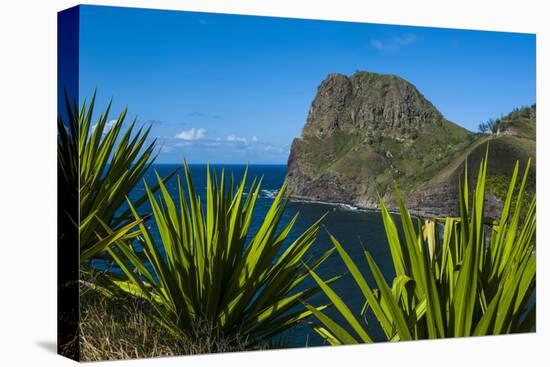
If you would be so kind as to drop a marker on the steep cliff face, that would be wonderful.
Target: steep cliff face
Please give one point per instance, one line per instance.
(368, 101)
(368, 132)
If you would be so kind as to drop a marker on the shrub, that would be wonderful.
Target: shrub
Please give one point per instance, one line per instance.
(478, 278)
(104, 162)
(208, 266)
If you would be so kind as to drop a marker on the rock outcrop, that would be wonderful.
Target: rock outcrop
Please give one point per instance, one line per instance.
(369, 132)
(368, 101)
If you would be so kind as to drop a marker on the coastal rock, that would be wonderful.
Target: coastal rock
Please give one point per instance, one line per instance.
(368, 101)
(368, 133)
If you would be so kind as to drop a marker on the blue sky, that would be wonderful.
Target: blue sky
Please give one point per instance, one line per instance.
(234, 89)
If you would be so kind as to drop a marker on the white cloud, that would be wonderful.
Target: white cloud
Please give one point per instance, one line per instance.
(192, 134)
(166, 148)
(406, 39)
(395, 43)
(239, 139)
(272, 148)
(234, 138)
(377, 44)
(197, 141)
(108, 126)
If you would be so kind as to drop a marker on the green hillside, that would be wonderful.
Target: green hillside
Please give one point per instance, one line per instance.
(368, 132)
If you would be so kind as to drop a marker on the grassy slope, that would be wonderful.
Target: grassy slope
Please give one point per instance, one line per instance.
(516, 142)
(381, 160)
(504, 151)
(520, 122)
(455, 163)
(125, 328)
(435, 156)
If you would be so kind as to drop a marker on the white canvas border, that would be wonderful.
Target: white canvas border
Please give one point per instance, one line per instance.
(27, 151)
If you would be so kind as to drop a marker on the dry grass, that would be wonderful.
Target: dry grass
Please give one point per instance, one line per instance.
(125, 328)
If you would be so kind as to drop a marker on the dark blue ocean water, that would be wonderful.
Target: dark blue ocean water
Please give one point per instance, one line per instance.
(354, 229)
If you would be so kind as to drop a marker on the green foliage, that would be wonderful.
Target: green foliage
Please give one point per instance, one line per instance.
(478, 278)
(323, 152)
(489, 126)
(209, 267)
(498, 186)
(410, 156)
(520, 122)
(104, 162)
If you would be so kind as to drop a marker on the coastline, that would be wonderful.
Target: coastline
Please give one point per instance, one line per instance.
(422, 214)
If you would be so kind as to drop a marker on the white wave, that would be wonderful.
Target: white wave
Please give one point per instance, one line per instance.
(348, 207)
(269, 194)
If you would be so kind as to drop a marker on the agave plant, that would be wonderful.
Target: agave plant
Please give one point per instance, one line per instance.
(105, 162)
(208, 267)
(477, 278)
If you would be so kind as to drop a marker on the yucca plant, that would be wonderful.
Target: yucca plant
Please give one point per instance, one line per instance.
(477, 278)
(104, 161)
(208, 267)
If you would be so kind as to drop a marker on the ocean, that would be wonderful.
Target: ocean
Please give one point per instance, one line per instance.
(356, 230)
